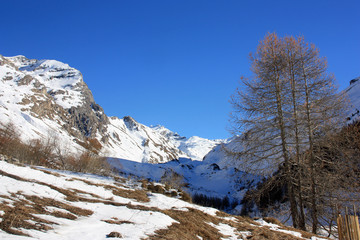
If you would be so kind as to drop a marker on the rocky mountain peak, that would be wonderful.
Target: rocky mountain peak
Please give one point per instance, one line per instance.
(53, 90)
(131, 123)
(48, 97)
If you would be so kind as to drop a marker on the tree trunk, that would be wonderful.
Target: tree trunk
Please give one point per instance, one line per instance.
(291, 60)
(311, 158)
(290, 186)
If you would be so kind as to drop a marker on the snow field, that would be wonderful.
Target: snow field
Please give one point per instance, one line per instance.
(96, 210)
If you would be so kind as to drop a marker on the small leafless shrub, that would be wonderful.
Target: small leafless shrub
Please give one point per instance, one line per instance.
(185, 197)
(172, 179)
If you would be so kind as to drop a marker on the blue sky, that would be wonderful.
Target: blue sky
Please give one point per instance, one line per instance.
(174, 62)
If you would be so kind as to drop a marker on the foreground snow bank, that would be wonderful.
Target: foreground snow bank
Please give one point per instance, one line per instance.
(38, 203)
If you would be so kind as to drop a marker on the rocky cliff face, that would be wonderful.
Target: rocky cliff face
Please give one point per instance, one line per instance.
(47, 97)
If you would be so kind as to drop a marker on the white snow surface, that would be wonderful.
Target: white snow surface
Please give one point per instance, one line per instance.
(24, 183)
(52, 75)
(143, 223)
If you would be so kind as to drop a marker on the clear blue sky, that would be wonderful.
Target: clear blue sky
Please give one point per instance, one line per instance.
(174, 62)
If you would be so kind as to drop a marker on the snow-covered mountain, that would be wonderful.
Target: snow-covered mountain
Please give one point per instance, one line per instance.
(194, 147)
(47, 98)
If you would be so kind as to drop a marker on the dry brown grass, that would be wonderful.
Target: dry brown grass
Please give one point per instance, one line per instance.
(87, 182)
(195, 223)
(41, 202)
(21, 214)
(49, 172)
(115, 220)
(192, 223)
(185, 197)
(142, 207)
(261, 233)
(304, 234)
(119, 189)
(138, 195)
(155, 188)
(273, 221)
(223, 214)
(119, 179)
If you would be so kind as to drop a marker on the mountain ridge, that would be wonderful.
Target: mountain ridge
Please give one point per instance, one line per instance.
(43, 97)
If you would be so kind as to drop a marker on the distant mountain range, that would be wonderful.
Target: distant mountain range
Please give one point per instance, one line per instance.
(47, 98)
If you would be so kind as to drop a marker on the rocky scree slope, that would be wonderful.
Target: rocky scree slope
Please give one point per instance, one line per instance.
(47, 98)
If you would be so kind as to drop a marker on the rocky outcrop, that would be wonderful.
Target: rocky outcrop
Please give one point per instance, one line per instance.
(131, 123)
(89, 118)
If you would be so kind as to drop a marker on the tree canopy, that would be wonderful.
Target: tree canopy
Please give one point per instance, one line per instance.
(282, 112)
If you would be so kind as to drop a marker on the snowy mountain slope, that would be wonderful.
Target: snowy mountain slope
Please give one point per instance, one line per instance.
(134, 141)
(45, 98)
(64, 83)
(26, 103)
(196, 177)
(37, 203)
(353, 92)
(194, 147)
